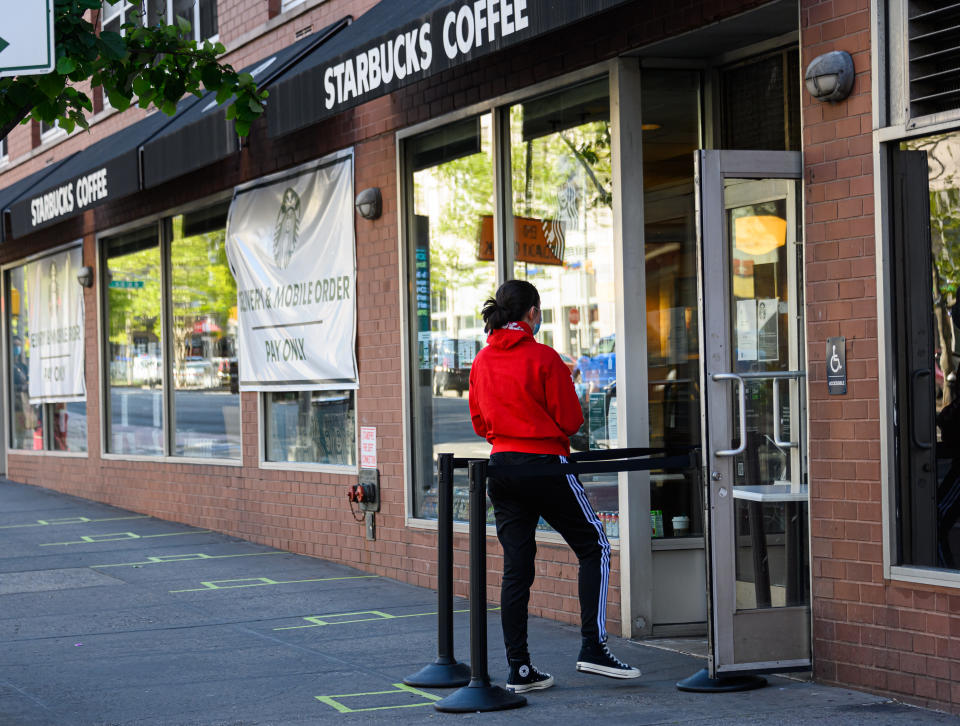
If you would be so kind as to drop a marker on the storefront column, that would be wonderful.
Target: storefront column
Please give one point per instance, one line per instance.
(636, 561)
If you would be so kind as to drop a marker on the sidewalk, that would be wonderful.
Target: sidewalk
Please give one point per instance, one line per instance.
(108, 617)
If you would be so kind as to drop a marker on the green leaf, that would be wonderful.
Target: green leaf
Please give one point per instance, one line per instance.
(255, 106)
(242, 127)
(113, 44)
(173, 90)
(50, 84)
(118, 100)
(65, 65)
(184, 25)
(210, 74)
(142, 87)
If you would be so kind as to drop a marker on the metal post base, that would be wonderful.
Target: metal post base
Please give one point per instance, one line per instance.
(440, 674)
(701, 682)
(479, 696)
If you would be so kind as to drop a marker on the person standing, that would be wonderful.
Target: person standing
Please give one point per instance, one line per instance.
(522, 400)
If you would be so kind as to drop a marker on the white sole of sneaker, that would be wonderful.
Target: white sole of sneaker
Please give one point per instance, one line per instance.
(600, 670)
(524, 687)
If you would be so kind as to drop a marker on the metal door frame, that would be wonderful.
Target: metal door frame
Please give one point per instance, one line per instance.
(718, 385)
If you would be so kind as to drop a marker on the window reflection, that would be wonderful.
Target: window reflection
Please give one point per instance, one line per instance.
(671, 135)
(318, 427)
(36, 427)
(205, 372)
(943, 160)
(26, 427)
(452, 253)
(135, 350)
(563, 243)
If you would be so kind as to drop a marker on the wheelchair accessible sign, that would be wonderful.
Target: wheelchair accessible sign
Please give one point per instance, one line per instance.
(837, 366)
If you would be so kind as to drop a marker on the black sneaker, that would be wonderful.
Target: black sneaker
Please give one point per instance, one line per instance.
(525, 677)
(597, 658)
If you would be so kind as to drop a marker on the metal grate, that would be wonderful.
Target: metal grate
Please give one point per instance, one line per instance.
(934, 31)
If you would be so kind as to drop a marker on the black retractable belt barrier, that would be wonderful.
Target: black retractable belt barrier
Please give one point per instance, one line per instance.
(444, 672)
(619, 461)
(479, 695)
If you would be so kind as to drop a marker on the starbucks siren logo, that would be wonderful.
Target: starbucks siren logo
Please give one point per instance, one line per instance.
(287, 231)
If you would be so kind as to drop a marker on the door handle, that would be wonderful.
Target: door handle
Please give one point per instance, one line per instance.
(776, 417)
(743, 414)
(917, 374)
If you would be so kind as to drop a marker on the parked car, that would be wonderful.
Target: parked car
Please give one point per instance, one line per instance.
(452, 359)
(198, 372)
(599, 368)
(228, 374)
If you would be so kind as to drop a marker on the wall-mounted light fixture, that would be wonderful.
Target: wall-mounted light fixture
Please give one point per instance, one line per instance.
(85, 276)
(830, 76)
(369, 203)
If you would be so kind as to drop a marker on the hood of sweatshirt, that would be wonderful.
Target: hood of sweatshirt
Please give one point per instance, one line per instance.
(509, 335)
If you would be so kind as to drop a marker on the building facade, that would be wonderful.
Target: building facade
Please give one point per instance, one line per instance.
(725, 262)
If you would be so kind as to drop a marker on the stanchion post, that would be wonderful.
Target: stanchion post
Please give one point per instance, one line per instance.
(444, 672)
(479, 695)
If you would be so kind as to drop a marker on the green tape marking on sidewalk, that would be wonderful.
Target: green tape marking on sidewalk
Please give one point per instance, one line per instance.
(163, 559)
(117, 536)
(399, 688)
(318, 621)
(262, 581)
(70, 520)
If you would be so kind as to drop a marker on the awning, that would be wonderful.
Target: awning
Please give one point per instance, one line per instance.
(107, 170)
(395, 44)
(202, 135)
(18, 188)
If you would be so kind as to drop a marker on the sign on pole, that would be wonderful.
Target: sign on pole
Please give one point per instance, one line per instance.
(26, 39)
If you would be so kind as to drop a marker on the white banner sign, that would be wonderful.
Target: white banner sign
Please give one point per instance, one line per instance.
(55, 314)
(290, 242)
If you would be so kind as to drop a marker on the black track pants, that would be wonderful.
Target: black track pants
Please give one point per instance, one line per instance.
(518, 504)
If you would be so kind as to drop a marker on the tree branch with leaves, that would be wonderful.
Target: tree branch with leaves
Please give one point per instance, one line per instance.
(145, 65)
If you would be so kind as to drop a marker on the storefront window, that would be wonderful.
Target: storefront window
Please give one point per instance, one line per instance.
(563, 243)
(451, 248)
(206, 399)
(926, 278)
(318, 427)
(45, 318)
(671, 135)
(135, 356)
(26, 428)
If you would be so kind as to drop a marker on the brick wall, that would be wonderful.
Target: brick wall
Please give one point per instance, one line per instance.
(869, 633)
(307, 512)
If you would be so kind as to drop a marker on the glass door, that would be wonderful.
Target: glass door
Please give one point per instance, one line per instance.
(753, 383)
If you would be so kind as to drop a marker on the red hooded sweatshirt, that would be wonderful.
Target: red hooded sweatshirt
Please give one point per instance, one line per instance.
(521, 394)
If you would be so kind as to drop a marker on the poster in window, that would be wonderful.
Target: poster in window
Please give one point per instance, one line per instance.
(291, 248)
(747, 329)
(768, 339)
(56, 329)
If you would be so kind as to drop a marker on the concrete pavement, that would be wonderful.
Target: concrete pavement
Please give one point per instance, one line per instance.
(109, 617)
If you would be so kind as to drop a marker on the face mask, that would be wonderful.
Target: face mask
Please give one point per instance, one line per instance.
(536, 328)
